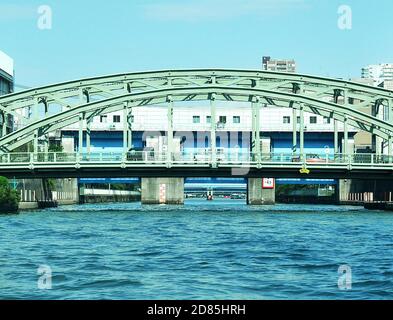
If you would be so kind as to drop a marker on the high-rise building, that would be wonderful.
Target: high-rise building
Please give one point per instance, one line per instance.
(6, 87)
(278, 65)
(378, 72)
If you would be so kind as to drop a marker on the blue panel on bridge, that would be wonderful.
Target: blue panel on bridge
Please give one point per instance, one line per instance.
(307, 181)
(216, 180)
(108, 141)
(232, 188)
(314, 143)
(109, 180)
(211, 182)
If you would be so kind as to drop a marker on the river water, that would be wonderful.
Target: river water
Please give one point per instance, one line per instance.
(202, 250)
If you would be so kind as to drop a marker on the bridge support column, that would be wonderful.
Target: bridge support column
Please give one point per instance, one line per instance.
(80, 135)
(35, 142)
(162, 190)
(35, 118)
(125, 127)
(46, 136)
(346, 146)
(4, 124)
(256, 195)
(88, 137)
(170, 131)
(336, 144)
(294, 131)
(376, 140)
(301, 131)
(256, 139)
(213, 130)
(129, 129)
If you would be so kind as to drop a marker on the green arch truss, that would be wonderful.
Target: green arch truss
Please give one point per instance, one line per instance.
(50, 108)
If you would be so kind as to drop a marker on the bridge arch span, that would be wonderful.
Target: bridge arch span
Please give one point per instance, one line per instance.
(340, 100)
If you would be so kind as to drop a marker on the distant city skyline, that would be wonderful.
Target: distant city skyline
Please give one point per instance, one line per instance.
(150, 35)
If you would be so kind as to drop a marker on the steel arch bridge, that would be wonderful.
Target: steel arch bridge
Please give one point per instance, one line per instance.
(50, 108)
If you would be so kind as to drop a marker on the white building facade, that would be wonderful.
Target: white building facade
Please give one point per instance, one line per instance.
(6, 87)
(192, 125)
(378, 72)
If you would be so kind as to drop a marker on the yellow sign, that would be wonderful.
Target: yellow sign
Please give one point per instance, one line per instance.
(304, 171)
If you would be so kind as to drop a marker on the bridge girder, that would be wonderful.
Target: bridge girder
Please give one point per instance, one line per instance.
(317, 95)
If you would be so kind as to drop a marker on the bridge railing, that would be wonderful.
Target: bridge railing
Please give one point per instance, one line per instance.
(193, 158)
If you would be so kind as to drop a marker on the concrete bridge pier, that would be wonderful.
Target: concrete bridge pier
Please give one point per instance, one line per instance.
(257, 195)
(162, 190)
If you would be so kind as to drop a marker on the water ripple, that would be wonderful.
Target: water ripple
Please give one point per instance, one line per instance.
(215, 250)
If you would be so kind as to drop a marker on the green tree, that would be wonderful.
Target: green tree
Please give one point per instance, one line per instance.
(9, 198)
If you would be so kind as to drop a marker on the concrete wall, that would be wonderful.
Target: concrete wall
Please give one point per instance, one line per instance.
(163, 190)
(103, 195)
(31, 190)
(351, 189)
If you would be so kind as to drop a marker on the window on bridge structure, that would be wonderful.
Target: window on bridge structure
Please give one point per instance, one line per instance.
(116, 119)
(196, 119)
(103, 119)
(326, 120)
(286, 120)
(222, 119)
(313, 120)
(208, 119)
(236, 119)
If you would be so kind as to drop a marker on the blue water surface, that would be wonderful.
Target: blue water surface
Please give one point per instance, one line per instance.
(202, 250)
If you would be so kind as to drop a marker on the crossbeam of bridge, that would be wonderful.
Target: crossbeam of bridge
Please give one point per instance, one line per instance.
(99, 165)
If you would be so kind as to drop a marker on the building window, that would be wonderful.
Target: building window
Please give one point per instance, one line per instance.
(223, 119)
(132, 119)
(116, 119)
(326, 120)
(298, 120)
(313, 120)
(286, 120)
(196, 119)
(236, 119)
(103, 119)
(208, 119)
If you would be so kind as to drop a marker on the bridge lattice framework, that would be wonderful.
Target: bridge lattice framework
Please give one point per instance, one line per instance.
(53, 107)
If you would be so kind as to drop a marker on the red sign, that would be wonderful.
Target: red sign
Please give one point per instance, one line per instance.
(268, 183)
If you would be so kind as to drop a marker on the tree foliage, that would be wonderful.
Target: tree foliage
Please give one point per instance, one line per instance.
(9, 198)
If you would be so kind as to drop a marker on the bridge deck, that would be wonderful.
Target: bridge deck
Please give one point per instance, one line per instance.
(145, 164)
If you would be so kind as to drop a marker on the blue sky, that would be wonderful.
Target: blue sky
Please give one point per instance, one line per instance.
(91, 38)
